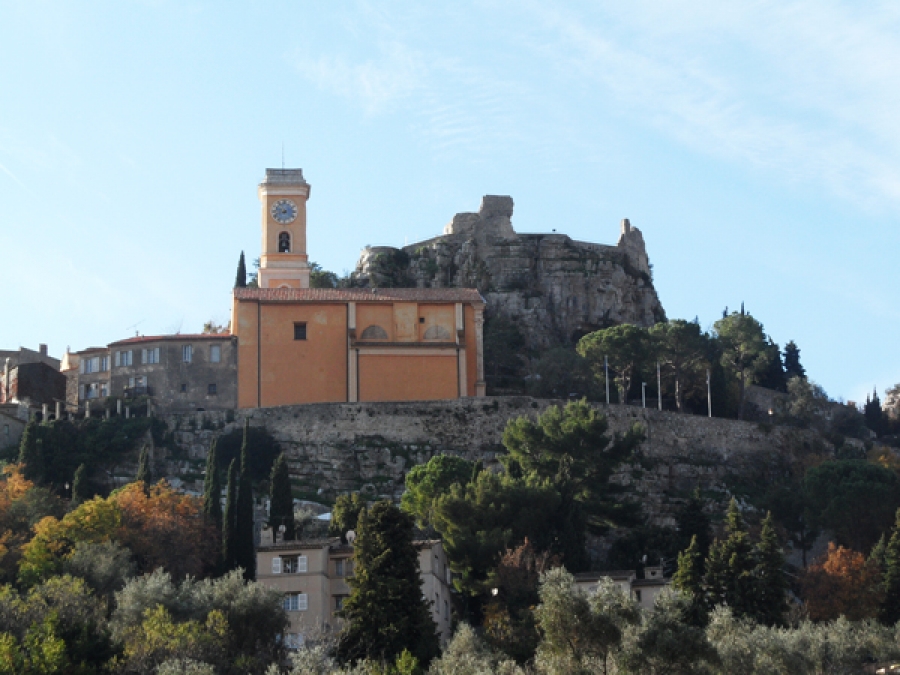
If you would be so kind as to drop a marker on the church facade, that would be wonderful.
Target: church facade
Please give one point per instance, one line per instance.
(298, 344)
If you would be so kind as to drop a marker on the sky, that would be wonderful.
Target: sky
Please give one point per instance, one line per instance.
(754, 143)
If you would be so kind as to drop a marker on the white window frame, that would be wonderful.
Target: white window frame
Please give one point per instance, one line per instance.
(187, 353)
(215, 353)
(104, 364)
(276, 565)
(124, 358)
(104, 389)
(302, 564)
(150, 356)
(296, 602)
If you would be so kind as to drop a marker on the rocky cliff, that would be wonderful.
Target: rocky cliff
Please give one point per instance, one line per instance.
(555, 288)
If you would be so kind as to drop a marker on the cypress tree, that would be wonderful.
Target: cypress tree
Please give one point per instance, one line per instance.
(240, 279)
(693, 523)
(792, 367)
(212, 487)
(889, 613)
(245, 556)
(771, 581)
(281, 501)
(31, 453)
(688, 580)
(730, 567)
(143, 473)
(81, 489)
(229, 540)
(386, 612)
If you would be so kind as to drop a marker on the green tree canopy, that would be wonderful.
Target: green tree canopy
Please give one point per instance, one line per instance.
(426, 482)
(854, 499)
(386, 613)
(627, 349)
(680, 347)
(743, 344)
(571, 449)
(240, 279)
(345, 514)
(792, 366)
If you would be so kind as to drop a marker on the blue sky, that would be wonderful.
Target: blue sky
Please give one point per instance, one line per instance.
(755, 144)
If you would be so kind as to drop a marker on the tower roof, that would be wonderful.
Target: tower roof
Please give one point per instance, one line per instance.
(284, 177)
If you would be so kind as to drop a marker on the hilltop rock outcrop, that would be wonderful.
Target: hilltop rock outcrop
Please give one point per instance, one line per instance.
(555, 288)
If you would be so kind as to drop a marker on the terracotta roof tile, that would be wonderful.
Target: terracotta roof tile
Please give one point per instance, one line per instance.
(180, 337)
(359, 294)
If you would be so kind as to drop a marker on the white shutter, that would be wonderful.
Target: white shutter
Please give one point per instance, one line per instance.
(302, 564)
(276, 565)
(302, 602)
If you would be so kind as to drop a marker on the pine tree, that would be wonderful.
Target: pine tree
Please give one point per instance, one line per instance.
(386, 612)
(281, 501)
(688, 580)
(889, 612)
(212, 488)
(229, 539)
(771, 580)
(143, 473)
(31, 453)
(345, 514)
(792, 367)
(240, 280)
(81, 489)
(245, 555)
(730, 567)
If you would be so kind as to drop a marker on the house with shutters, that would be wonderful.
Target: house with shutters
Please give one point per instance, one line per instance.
(312, 576)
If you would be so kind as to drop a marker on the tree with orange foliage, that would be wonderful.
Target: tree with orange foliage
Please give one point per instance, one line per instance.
(163, 528)
(21, 506)
(843, 583)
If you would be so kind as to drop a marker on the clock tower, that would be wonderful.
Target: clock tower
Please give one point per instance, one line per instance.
(284, 262)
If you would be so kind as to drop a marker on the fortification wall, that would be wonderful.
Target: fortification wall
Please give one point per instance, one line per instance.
(335, 448)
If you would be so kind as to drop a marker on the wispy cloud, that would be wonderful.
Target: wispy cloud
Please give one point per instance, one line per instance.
(376, 84)
(806, 89)
(14, 177)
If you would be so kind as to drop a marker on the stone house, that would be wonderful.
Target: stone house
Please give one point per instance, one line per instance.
(643, 591)
(312, 575)
(31, 378)
(177, 373)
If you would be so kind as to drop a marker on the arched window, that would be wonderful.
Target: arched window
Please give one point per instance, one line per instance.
(284, 242)
(437, 333)
(374, 333)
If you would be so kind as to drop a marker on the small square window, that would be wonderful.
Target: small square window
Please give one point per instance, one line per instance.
(211, 389)
(300, 331)
(183, 388)
(421, 319)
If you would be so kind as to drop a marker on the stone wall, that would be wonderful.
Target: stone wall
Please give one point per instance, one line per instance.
(556, 289)
(336, 448)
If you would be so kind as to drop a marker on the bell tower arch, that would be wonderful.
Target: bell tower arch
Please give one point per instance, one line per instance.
(283, 262)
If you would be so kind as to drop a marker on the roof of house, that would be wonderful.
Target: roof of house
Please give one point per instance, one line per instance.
(178, 337)
(470, 295)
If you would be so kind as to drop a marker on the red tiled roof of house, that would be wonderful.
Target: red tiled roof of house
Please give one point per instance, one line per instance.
(180, 337)
(359, 294)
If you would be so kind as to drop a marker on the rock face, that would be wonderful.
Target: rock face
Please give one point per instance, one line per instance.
(555, 288)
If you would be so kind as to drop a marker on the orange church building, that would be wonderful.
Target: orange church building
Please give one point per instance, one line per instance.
(314, 345)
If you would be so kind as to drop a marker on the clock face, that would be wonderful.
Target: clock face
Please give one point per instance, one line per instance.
(284, 211)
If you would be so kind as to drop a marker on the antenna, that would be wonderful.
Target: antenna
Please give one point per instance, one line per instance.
(282, 155)
(135, 325)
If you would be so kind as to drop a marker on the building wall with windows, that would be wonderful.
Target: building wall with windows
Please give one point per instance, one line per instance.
(313, 574)
(179, 373)
(312, 345)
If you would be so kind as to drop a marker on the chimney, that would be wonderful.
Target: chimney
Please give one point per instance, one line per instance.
(42, 349)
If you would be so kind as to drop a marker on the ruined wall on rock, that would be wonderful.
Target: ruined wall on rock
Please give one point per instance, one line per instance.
(555, 288)
(338, 448)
